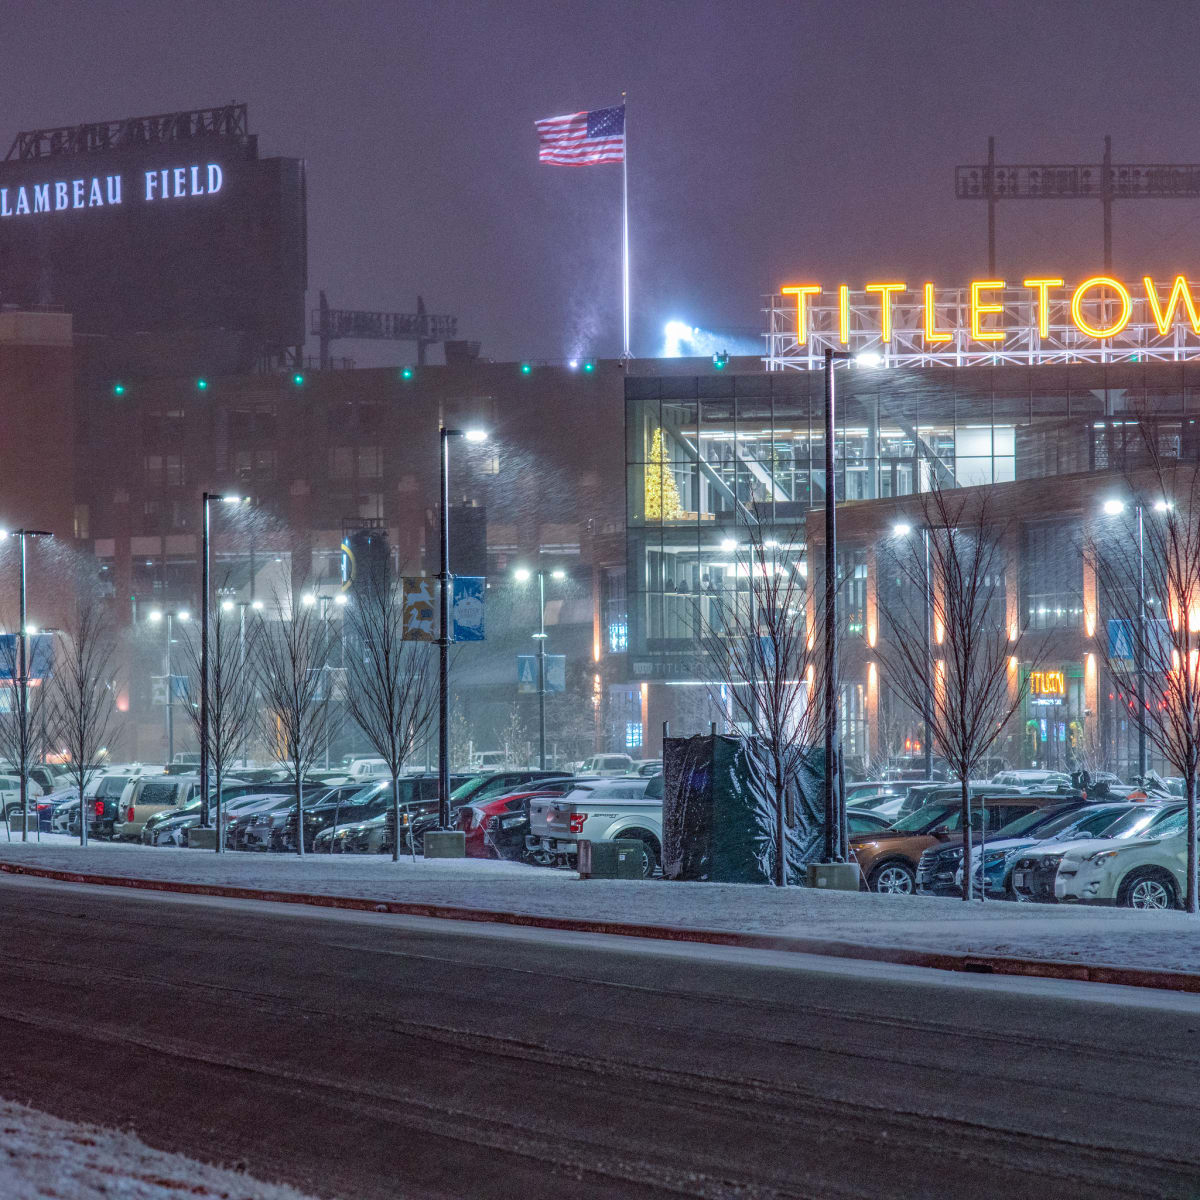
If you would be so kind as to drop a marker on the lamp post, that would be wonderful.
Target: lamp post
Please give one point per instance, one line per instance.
(522, 575)
(444, 638)
(207, 497)
(182, 615)
(833, 764)
(902, 530)
(23, 678)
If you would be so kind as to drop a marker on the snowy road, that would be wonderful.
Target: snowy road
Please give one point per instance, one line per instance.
(364, 1055)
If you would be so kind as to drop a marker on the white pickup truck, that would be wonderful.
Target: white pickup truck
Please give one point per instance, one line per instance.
(598, 811)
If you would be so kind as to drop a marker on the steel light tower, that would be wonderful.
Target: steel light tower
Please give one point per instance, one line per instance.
(444, 632)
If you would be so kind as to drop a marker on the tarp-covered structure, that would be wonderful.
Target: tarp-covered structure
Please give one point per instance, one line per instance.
(719, 820)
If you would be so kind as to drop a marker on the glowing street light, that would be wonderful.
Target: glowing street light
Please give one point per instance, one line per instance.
(1114, 508)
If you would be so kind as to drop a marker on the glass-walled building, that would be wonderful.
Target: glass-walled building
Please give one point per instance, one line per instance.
(708, 456)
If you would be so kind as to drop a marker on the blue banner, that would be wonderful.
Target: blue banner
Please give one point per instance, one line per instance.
(467, 610)
(40, 663)
(527, 673)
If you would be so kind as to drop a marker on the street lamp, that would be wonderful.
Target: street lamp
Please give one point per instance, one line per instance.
(902, 529)
(523, 575)
(833, 765)
(157, 615)
(23, 678)
(444, 639)
(207, 498)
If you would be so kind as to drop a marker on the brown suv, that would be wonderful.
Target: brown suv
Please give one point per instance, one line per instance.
(888, 860)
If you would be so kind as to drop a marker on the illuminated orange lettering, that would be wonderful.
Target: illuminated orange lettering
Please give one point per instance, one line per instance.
(800, 291)
(932, 333)
(843, 314)
(979, 310)
(1179, 292)
(1042, 287)
(885, 290)
(1097, 331)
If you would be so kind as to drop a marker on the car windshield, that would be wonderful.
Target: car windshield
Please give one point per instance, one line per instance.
(1032, 820)
(870, 803)
(1131, 824)
(1175, 823)
(467, 790)
(1081, 821)
(926, 818)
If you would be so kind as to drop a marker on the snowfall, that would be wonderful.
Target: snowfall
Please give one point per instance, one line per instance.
(1062, 933)
(44, 1158)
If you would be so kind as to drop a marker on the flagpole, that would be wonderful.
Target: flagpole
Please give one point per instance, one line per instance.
(625, 222)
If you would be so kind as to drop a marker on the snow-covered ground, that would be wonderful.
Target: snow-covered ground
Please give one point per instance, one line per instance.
(45, 1158)
(1061, 932)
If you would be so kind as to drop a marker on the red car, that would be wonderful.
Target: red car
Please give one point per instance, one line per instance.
(496, 828)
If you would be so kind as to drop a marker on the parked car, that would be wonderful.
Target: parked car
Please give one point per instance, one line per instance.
(598, 811)
(152, 794)
(993, 861)
(498, 827)
(475, 789)
(931, 793)
(647, 766)
(606, 764)
(888, 859)
(1141, 864)
(939, 869)
(1039, 779)
(860, 795)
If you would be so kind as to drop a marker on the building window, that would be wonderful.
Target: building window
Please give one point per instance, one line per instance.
(81, 522)
(341, 462)
(370, 506)
(1052, 574)
(370, 462)
(633, 735)
(255, 464)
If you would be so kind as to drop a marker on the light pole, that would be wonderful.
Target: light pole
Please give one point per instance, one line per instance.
(207, 497)
(182, 615)
(444, 632)
(902, 530)
(522, 575)
(23, 680)
(833, 764)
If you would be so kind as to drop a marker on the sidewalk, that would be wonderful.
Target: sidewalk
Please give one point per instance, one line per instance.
(1052, 933)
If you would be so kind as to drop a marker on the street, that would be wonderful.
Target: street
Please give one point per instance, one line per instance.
(362, 1055)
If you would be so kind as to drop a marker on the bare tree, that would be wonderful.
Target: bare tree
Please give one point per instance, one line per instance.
(968, 681)
(762, 657)
(1147, 563)
(232, 696)
(391, 691)
(82, 694)
(23, 718)
(291, 654)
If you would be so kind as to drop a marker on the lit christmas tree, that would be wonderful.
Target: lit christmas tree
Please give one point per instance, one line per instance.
(662, 493)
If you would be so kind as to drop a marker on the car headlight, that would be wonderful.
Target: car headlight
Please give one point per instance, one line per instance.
(1101, 856)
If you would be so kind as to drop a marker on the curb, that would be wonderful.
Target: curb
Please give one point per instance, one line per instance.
(1145, 977)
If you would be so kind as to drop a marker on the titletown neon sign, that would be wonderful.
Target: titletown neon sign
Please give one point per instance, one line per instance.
(1042, 319)
(108, 191)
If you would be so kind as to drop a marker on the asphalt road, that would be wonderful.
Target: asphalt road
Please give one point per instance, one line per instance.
(363, 1055)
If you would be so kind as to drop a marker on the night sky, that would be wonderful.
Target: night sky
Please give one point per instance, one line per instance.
(768, 141)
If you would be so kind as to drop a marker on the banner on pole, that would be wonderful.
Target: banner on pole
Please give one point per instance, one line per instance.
(467, 608)
(527, 673)
(418, 609)
(40, 656)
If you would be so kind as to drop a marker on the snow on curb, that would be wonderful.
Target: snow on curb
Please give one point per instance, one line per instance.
(45, 1158)
(988, 964)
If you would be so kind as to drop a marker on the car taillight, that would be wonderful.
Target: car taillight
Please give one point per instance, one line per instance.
(129, 813)
(99, 808)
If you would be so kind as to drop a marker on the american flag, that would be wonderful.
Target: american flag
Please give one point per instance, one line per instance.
(582, 139)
